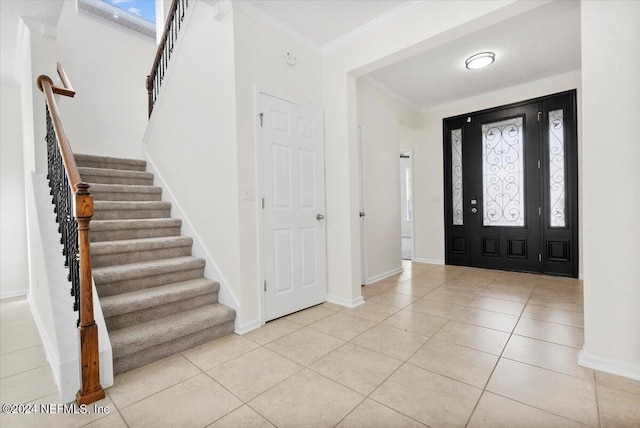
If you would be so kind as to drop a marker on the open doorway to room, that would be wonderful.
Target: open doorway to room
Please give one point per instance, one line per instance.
(406, 203)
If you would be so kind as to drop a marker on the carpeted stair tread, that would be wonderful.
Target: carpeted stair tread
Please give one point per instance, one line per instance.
(155, 296)
(145, 244)
(120, 192)
(137, 271)
(146, 223)
(118, 230)
(93, 161)
(126, 210)
(131, 205)
(107, 172)
(135, 338)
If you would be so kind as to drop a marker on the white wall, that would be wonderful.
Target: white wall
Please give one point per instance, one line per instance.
(428, 158)
(380, 117)
(107, 67)
(14, 279)
(610, 33)
(191, 142)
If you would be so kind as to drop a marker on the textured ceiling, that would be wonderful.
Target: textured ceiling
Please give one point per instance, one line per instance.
(535, 45)
(323, 21)
(44, 12)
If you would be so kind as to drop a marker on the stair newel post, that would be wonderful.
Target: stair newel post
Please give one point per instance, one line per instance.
(90, 388)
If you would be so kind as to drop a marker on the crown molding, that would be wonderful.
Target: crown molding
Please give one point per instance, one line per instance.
(376, 84)
(374, 24)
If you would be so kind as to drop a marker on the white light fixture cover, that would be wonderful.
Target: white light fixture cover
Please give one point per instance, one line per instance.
(480, 60)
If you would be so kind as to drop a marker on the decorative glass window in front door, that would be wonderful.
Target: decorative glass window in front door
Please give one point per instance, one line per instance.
(556, 168)
(456, 176)
(503, 173)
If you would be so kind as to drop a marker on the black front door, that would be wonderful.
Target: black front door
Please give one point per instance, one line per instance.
(511, 186)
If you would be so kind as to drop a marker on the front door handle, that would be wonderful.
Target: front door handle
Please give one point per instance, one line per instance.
(319, 217)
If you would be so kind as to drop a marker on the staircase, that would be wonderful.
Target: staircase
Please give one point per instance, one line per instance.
(154, 296)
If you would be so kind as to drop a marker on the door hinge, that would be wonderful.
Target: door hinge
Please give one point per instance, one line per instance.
(539, 257)
(538, 163)
(261, 117)
(262, 203)
(539, 115)
(265, 286)
(539, 210)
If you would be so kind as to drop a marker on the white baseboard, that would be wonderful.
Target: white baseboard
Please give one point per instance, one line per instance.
(608, 365)
(248, 326)
(349, 303)
(384, 275)
(430, 261)
(14, 293)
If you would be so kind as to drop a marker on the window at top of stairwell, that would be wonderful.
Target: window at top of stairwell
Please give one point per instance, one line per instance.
(145, 9)
(134, 16)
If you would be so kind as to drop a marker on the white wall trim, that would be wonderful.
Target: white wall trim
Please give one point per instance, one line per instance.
(211, 270)
(384, 275)
(371, 26)
(430, 261)
(608, 365)
(13, 293)
(249, 326)
(543, 83)
(343, 301)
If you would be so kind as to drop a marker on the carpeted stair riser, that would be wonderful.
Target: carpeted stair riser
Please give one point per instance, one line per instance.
(125, 252)
(115, 176)
(120, 232)
(137, 317)
(149, 355)
(127, 210)
(104, 162)
(122, 192)
(114, 280)
(154, 296)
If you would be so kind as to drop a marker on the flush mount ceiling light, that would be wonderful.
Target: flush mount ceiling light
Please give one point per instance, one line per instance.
(480, 60)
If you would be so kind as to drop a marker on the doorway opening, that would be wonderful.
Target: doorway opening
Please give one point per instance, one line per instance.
(406, 204)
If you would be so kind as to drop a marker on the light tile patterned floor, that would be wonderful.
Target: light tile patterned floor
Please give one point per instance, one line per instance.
(436, 346)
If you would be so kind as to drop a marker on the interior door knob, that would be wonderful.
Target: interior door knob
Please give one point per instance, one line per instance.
(474, 210)
(362, 214)
(319, 217)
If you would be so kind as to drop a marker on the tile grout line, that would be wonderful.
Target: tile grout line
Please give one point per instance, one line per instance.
(484, 388)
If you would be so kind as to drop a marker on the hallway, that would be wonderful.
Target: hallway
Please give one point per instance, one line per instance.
(436, 346)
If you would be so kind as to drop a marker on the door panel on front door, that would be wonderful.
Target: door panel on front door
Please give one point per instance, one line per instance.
(502, 156)
(511, 186)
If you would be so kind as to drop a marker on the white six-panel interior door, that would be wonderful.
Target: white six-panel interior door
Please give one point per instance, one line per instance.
(294, 248)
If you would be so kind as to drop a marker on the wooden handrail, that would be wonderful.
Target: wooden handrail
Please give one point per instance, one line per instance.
(165, 47)
(90, 388)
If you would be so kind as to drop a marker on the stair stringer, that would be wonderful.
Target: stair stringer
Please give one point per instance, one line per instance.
(226, 296)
